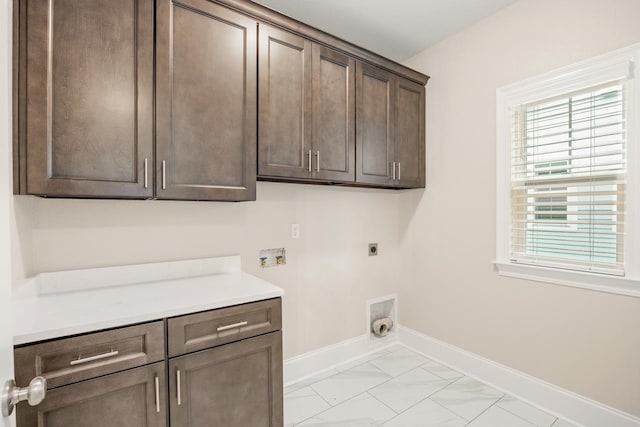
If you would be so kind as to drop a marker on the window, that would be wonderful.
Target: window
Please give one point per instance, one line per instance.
(568, 168)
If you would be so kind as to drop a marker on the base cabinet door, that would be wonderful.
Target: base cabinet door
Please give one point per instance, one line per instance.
(206, 101)
(234, 385)
(134, 398)
(86, 98)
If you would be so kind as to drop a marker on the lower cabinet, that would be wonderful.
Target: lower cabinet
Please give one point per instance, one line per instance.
(234, 385)
(134, 398)
(223, 368)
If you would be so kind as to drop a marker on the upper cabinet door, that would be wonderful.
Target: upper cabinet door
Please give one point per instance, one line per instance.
(334, 115)
(375, 129)
(89, 98)
(409, 134)
(285, 104)
(205, 102)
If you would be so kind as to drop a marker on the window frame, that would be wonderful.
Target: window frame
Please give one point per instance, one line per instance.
(616, 65)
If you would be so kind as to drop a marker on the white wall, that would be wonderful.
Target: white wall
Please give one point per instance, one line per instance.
(584, 341)
(328, 276)
(6, 353)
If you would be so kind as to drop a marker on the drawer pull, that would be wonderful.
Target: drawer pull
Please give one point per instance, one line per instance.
(235, 325)
(178, 387)
(157, 395)
(80, 360)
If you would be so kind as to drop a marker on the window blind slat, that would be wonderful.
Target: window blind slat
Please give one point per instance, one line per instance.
(568, 180)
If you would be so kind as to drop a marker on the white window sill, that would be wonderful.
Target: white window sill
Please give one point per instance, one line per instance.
(576, 279)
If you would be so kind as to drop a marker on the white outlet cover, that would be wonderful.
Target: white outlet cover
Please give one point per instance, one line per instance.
(295, 231)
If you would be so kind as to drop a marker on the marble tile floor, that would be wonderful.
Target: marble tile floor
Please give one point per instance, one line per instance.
(398, 387)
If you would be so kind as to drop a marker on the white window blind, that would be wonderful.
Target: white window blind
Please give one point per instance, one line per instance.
(568, 180)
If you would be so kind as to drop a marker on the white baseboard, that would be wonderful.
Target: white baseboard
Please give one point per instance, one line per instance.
(556, 400)
(315, 362)
(548, 397)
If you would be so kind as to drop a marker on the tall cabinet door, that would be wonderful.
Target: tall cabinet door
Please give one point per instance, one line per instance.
(89, 98)
(234, 385)
(334, 114)
(285, 104)
(205, 102)
(409, 134)
(375, 127)
(134, 398)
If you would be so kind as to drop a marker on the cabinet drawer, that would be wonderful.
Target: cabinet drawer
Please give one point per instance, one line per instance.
(212, 328)
(70, 360)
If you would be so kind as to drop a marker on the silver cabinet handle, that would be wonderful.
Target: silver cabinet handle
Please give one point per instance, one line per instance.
(81, 360)
(12, 395)
(309, 160)
(178, 386)
(399, 172)
(393, 168)
(164, 175)
(157, 395)
(317, 161)
(146, 173)
(235, 325)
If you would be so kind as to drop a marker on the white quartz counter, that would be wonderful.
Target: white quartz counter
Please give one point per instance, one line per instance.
(42, 314)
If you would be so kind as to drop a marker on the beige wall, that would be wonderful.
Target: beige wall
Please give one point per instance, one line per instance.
(584, 341)
(328, 276)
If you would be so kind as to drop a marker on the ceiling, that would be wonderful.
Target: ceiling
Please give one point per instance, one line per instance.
(397, 29)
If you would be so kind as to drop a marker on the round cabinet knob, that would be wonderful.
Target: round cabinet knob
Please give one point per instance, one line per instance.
(37, 391)
(34, 394)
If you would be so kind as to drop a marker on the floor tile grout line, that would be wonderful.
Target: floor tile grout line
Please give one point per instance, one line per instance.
(392, 410)
(489, 407)
(422, 400)
(523, 418)
(449, 380)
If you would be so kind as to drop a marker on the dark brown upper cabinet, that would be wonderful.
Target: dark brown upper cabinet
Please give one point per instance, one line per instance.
(285, 104)
(194, 99)
(205, 102)
(85, 97)
(410, 134)
(390, 136)
(307, 109)
(374, 136)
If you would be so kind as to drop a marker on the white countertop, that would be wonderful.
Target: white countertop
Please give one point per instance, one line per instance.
(42, 315)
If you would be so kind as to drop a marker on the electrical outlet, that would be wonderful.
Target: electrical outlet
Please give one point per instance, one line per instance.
(295, 231)
(373, 249)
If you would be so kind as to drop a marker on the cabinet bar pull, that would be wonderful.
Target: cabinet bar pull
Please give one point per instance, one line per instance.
(393, 168)
(318, 161)
(399, 171)
(81, 360)
(164, 175)
(235, 325)
(146, 173)
(157, 395)
(178, 385)
(309, 160)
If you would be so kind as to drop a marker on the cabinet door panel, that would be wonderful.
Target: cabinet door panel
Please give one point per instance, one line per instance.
(126, 399)
(409, 134)
(234, 385)
(375, 132)
(206, 102)
(334, 110)
(285, 104)
(89, 97)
